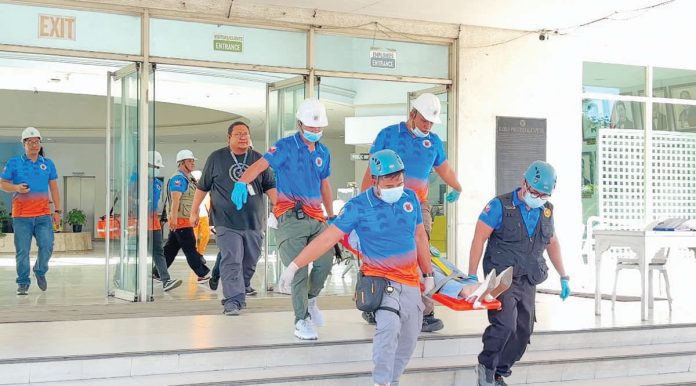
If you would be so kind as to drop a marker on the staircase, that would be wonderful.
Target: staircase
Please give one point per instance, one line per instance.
(644, 355)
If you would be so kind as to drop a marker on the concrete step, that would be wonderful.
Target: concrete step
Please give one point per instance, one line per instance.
(449, 359)
(638, 365)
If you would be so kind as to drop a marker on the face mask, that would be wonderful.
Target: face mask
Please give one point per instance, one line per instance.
(391, 195)
(533, 202)
(416, 131)
(312, 137)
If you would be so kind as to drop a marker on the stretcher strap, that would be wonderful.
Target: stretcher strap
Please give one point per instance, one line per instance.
(442, 283)
(441, 265)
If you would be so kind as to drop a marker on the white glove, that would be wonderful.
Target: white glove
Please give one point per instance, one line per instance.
(429, 284)
(272, 221)
(285, 282)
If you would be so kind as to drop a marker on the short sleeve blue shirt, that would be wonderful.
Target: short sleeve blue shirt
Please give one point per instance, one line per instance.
(298, 171)
(22, 170)
(386, 233)
(492, 214)
(178, 183)
(420, 155)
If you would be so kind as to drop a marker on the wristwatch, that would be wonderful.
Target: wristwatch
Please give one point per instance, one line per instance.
(428, 274)
(58, 211)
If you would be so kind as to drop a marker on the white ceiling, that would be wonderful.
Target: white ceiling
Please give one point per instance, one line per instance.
(508, 14)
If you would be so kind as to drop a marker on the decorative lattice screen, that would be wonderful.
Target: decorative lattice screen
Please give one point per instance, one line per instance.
(620, 172)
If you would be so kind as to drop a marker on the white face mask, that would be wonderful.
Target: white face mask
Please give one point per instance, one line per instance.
(391, 195)
(416, 131)
(533, 202)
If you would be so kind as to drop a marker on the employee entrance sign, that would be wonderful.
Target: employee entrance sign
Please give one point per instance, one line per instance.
(382, 58)
(228, 43)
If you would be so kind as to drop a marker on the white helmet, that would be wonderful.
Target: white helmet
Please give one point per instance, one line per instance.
(312, 113)
(184, 155)
(30, 132)
(155, 159)
(428, 105)
(196, 174)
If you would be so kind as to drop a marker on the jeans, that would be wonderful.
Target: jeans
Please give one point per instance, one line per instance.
(184, 239)
(41, 228)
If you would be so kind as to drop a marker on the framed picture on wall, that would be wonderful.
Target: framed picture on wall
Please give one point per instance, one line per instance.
(588, 173)
(684, 115)
(626, 115)
(591, 120)
(661, 112)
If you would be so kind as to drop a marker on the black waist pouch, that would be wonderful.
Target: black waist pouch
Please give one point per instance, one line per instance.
(369, 291)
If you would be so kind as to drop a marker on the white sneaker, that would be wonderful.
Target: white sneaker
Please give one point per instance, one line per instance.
(315, 313)
(304, 329)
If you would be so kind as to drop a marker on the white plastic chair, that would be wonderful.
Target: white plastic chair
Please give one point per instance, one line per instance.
(658, 263)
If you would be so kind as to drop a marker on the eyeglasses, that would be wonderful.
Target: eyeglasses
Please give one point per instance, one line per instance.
(33, 142)
(240, 135)
(536, 193)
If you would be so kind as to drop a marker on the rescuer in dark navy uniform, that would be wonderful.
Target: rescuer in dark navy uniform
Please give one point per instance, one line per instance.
(519, 228)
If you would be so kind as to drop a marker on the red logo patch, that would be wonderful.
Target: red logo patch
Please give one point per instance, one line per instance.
(487, 208)
(408, 207)
(272, 149)
(427, 144)
(177, 182)
(43, 167)
(319, 161)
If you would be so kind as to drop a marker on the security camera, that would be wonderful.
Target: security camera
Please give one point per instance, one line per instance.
(542, 36)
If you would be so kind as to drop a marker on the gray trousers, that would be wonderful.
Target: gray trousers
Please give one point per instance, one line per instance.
(292, 236)
(158, 256)
(239, 249)
(428, 224)
(396, 335)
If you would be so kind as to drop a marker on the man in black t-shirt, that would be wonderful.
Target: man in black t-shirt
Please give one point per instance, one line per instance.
(239, 233)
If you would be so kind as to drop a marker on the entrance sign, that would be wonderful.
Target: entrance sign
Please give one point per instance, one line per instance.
(228, 43)
(380, 58)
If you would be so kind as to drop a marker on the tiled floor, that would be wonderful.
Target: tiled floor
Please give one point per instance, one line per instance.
(78, 279)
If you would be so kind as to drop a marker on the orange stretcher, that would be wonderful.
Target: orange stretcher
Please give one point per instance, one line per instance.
(455, 304)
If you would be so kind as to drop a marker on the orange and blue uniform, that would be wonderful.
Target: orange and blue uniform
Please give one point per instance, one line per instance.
(386, 234)
(299, 174)
(419, 155)
(22, 170)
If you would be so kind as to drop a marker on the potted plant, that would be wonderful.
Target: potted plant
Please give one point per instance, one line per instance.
(76, 218)
(5, 220)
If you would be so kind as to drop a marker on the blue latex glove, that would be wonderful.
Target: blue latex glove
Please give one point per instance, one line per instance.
(239, 194)
(565, 289)
(473, 277)
(330, 220)
(453, 196)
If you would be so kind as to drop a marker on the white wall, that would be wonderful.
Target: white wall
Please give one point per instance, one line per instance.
(527, 77)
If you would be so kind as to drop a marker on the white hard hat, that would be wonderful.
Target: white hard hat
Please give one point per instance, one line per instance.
(30, 132)
(196, 174)
(155, 158)
(312, 113)
(428, 105)
(185, 154)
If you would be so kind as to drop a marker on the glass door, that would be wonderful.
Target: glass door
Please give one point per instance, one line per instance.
(442, 213)
(282, 100)
(126, 243)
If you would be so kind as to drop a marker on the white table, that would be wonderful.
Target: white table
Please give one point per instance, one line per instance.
(645, 244)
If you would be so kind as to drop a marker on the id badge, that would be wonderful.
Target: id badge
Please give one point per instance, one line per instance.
(251, 190)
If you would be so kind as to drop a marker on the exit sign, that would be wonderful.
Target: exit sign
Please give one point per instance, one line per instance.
(57, 27)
